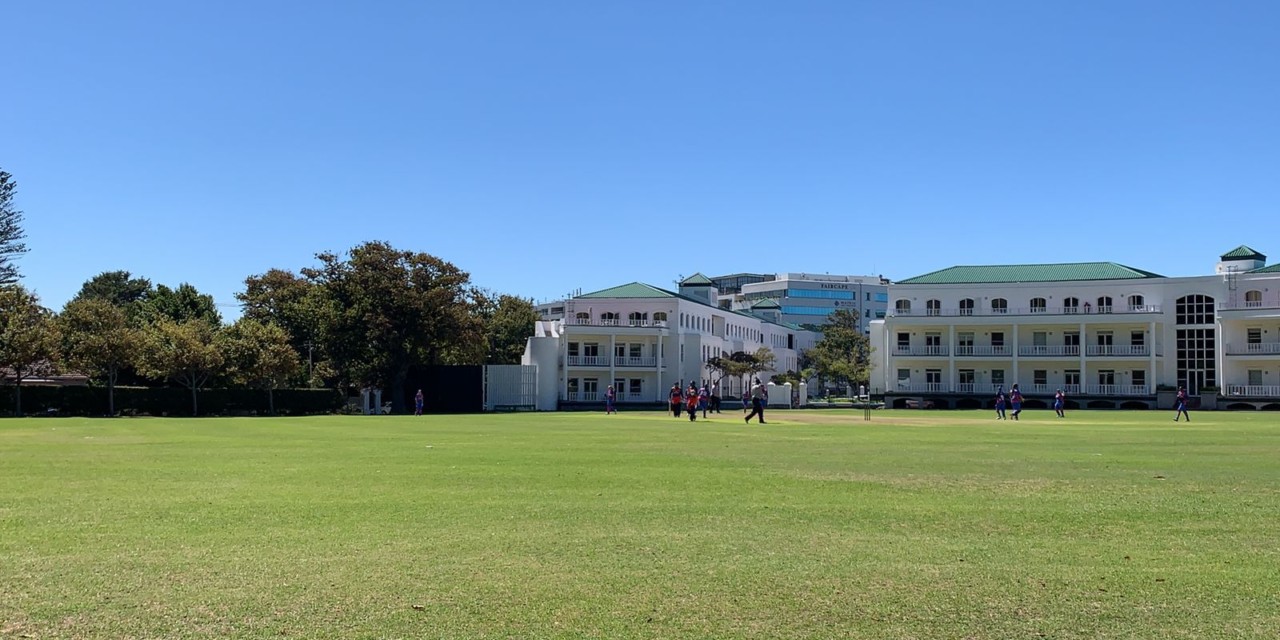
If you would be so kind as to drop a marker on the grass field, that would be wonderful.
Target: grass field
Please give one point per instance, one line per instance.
(819, 524)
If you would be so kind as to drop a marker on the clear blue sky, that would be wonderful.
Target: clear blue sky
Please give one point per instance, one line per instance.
(548, 146)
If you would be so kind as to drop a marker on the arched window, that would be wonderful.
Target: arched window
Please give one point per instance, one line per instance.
(933, 307)
(582, 317)
(999, 305)
(1038, 305)
(609, 318)
(1194, 309)
(637, 319)
(902, 307)
(1253, 299)
(660, 316)
(1137, 303)
(966, 307)
(1070, 305)
(1104, 304)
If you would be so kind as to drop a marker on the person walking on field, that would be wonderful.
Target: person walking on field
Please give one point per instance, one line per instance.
(417, 403)
(1000, 403)
(757, 402)
(609, 397)
(1058, 401)
(676, 400)
(1015, 399)
(1180, 405)
(704, 400)
(692, 400)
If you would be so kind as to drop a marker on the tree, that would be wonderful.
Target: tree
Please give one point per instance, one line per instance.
(293, 303)
(28, 337)
(179, 305)
(11, 232)
(508, 323)
(258, 354)
(843, 354)
(741, 364)
(187, 353)
(386, 310)
(118, 288)
(98, 338)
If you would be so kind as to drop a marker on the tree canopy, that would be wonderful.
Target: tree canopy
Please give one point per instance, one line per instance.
(11, 232)
(843, 355)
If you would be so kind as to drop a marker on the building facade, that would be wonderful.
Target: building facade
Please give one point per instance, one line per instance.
(1106, 334)
(643, 339)
(808, 298)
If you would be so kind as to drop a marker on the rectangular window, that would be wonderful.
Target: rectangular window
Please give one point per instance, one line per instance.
(573, 385)
(1138, 377)
(997, 338)
(637, 387)
(590, 349)
(1255, 377)
(824, 294)
(1254, 336)
(933, 339)
(882, 297)
(904, 377)
(573, 349)
(619, 385)
(636, 350)
(590, 385)
(933, 376)
(1106, 377)
(997, 377)
(1040, 376)
(1071, 377)
(620, 350)
(965, 376)
(904, 340)
(1071, 338)
(1137, 338)
(1039, 338)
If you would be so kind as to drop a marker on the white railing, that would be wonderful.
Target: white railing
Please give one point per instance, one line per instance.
(588, 361)
(1026, 311)
(968, 350)
(927, 387)
(1071, 389)
(627, 361)
(596, 322)
(1250, 304)
(937, 350)
(1254, 390)
(964, 387)
(1254, 349)
(1116, 390)
(1117, 350)
(1049, 350)
(1036, 388)
(584, 396)
(634, 397)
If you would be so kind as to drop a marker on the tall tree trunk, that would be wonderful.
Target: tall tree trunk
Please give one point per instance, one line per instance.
(111, 392)
(194, 407)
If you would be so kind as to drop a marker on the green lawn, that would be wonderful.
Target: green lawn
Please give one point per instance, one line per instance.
(821, 525)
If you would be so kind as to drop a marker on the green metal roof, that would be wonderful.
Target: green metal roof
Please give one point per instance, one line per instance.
(633, 290)
(767, 303)
(1243, 252)
(1275, 268)
(972, 274)
(696, 280)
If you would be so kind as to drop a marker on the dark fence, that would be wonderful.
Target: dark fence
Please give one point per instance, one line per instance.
(446, 389)
(167, 401)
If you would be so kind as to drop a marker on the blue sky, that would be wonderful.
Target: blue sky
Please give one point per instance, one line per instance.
(549, 146)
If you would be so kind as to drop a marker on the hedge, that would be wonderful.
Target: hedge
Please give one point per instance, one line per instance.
(167, 401)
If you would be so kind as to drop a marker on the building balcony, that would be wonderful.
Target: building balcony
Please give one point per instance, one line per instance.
(1030, 389)
(1254, 349)
(1248, 305)
(585, 396)
(1049, 350)
(969, 350)
(935, 350)
(1253, 390)
(1122, 350)
(635, 362)
(1027, 311)
(588, 361)
(596, 322)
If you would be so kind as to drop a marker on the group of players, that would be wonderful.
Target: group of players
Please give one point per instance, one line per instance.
(695, 399)
(1014, 399)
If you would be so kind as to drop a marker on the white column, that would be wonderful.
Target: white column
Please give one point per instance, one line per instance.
(951, 356)
(1151, 340)
(657, 354)
(1084, 365)
(613, 359)
(564, 367)
(1016, 346)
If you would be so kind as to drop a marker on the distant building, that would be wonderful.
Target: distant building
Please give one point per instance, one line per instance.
(642, 339)
(806, 299)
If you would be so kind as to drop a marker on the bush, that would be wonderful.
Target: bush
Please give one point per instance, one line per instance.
(173, 401)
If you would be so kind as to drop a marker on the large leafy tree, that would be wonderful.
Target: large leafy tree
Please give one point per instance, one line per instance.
(258, 354)
(508, 323)
(98, 339)
(843, 355)
(28, 337)
(11, 232)
(296, 305)
(386, 310)
(118, 288)
(187, 353)
(179, 305)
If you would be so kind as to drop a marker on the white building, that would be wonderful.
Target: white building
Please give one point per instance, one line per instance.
(1108, 335)
(642, 339)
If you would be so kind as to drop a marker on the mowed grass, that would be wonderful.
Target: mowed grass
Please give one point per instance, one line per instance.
(819, 524)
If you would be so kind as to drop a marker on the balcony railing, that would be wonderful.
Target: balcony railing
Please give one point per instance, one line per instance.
(1117, 350)
(971, 350)
(627, 361)
(588, 361)
(1027, 311)
(1116, 390)
(1254, 349)
(623, 322)
(1272, 303)
(1030, 389)
(585, 396)
(1254, 390)
(1049, 350)
(934, 350)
